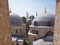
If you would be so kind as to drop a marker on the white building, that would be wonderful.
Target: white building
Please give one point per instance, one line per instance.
(41, 27)
(18, 29)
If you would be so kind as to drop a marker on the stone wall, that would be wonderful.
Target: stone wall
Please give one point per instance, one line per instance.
(21, 30)
(41, 33)
(57, 24)
(5, 37)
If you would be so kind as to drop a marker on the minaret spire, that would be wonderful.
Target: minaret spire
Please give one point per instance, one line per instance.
(45, 10)
(36, 13)
(27, 14)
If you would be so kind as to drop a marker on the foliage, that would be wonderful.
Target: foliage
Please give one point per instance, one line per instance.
(24, 19)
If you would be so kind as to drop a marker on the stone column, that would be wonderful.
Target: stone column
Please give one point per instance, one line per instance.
(5, 37)
(57, 24)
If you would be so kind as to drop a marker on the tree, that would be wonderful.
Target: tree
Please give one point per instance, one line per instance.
(24, 19)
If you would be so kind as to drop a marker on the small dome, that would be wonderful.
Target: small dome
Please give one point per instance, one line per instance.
(16, 20)
(31, 17)
(44, 19)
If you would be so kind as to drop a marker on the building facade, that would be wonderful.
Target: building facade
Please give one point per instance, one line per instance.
(17, 26)
(18, 29)
(42, 26)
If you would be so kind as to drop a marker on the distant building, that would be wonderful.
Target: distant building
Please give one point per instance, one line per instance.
(30, 19)
(42, 27)
(18, 29)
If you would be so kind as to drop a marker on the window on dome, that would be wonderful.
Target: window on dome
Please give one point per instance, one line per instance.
(49, 23)
(35, 23)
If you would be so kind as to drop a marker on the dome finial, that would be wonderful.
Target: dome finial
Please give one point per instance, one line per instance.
(45, 10)
(36, 13)
(27, 14)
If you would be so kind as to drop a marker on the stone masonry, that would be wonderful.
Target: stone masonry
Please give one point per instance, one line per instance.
(5, 37)
(57, 24)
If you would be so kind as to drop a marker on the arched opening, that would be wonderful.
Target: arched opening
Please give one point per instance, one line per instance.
(49, 33)
(48, 37)
(49, 23)
(16, 31)
(34, 31)
(35, 23)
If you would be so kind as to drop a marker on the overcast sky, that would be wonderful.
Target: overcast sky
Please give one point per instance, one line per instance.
(20, 7)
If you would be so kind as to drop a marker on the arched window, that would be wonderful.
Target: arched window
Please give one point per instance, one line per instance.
(49, 33)
(16, 30)
(49, 23)
(35, 23)
(35, 32)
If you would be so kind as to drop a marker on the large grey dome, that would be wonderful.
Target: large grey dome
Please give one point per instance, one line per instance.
(15, 20)
(44, 19)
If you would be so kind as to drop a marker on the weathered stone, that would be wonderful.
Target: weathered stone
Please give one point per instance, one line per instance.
(5, 37)
(57, 24)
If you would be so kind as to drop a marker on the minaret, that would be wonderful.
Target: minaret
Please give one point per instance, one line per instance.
(36, 13)
(27, 15)
(5, 36)
(57, 25)
(45, 10)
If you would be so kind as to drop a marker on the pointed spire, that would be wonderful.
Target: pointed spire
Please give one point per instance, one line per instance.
(27, 14)
(36, 13)
(45, 10)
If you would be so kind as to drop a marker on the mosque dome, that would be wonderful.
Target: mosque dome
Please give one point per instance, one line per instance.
(16, 20)
(44, 19)
(31, 17)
